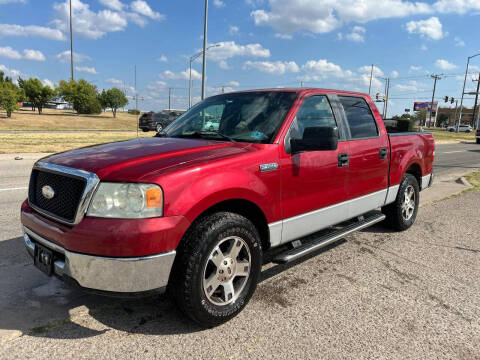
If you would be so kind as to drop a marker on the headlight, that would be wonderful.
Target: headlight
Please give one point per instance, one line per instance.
(126, 201)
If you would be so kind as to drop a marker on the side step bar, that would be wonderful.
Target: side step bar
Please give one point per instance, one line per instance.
(324, 240)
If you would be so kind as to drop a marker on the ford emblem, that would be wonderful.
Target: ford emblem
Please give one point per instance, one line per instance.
(48, 192)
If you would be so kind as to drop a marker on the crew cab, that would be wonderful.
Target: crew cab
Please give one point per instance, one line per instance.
(195, 211)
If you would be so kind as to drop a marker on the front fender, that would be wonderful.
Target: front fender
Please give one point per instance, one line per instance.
(262, 189)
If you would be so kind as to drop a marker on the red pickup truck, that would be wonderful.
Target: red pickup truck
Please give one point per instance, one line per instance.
(194, 210)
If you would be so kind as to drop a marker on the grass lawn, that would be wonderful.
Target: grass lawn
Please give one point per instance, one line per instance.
(56, 142)
(474, 179)
(51, 119)
(442, 135)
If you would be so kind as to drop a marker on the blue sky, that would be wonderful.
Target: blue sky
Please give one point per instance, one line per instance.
(263, 43)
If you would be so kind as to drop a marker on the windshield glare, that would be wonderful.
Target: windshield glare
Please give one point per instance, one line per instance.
(250, 117)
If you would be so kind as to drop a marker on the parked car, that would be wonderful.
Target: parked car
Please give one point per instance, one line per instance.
(196, 210)
(461, 128)
(152, 121)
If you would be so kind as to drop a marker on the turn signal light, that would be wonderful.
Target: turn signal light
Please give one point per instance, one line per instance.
(154, 197)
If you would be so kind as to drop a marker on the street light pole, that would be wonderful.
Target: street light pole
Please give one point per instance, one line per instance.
(463, 92)
(71, 41)
(192, 58)
(370, 84)
(204, 65)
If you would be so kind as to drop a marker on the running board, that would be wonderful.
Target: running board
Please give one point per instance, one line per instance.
(324, 240)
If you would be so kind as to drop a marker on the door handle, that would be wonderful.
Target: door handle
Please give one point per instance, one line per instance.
(343, 160)
(383, 153)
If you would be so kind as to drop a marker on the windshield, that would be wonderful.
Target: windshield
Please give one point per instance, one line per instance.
(249, 117)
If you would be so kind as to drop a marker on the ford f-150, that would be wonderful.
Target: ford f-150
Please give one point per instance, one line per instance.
(194, 210)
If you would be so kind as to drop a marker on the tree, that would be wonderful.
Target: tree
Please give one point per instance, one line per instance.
(10, 94)
(420, 116)
(81, 94)
(114, 99)
(37, 93)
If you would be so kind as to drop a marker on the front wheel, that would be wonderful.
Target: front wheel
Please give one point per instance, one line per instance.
(217, 268)
(402, 213)
(159, 128)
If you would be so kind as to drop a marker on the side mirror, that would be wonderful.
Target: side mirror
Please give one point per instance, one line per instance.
(317, 138)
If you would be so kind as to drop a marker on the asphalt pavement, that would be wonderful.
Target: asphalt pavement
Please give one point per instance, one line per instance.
(374, 294)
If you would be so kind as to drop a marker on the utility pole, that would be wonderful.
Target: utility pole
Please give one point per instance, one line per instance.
(301, 84)
(370, 85)
(435, 77)
(136, 98)
(204, 65)
(476, 100)
(455, 119)
(463, 91)
(169, 96)
(385, 102)
(71, 41)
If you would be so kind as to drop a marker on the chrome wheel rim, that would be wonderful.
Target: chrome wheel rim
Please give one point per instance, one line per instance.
(159, 128)
(226, 271)
(408, 204)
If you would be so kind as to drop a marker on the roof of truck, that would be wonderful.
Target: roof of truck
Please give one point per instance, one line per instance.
(305, 89)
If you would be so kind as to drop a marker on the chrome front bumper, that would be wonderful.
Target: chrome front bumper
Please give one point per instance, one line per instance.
(121, 275)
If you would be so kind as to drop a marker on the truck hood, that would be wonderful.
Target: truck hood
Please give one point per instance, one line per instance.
(134, 160)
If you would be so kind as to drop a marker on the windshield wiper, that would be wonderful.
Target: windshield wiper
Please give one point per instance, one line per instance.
(205, 135)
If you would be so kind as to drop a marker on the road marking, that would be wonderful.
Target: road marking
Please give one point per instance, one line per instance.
(453, 152)
(16, 188)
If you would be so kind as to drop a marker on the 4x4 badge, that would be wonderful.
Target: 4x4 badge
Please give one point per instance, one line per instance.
(268, 167)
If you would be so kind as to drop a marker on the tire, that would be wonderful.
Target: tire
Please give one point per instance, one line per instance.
(400, 216)
(452, 130)
(478, 140)
(145, 130)
(159, 127)
(196, 282)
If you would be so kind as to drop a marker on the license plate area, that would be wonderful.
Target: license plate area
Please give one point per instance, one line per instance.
(43, 259)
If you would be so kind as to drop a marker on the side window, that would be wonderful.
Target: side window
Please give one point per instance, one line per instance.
(359, 117)
(315, 111)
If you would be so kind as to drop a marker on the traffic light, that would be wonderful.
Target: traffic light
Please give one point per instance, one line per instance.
(445, 98)
(452, 100)
(377, 96)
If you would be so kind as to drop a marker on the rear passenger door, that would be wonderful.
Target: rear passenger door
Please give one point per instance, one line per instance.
(368, 156)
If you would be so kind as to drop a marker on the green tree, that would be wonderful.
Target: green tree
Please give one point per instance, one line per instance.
(10, 94)
(420, 116)
(113, 99)
(81, 94)
(37, 93)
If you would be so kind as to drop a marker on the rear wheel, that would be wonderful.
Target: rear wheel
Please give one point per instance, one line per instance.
(402, 213)
(217, 268)
(145, 130)
(159, 127)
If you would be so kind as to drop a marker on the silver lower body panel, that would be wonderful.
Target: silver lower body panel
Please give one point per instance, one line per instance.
(122, 275)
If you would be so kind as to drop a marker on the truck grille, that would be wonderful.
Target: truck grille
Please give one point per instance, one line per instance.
(68, 193)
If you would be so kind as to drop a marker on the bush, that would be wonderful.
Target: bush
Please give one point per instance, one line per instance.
(89, 105)
(134, 111)
(404, 125)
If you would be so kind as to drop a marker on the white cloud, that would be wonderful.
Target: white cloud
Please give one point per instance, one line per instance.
(233, 30)
(414, 68)
(320, 69)
(162, 58)
(410, 86)
(229, 49)
(218, 3)
(444, 64)
(276, 67)
(113, 4)
(288, 16)
(77, 57)
(35, 55)
(11, 72)
(431, 28)
(368, 68)
(284, 36)
(357, 34)
(31, 31)
(459, 41)
(9, 53)
(394, 74)
(120, 84)
(28, 54)
(423, 47)
(456, 6)
(86, 69)
(184, 75)
(49, 83)
(141, 7)
(233, 83)
(157, 85)
(223, 64)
